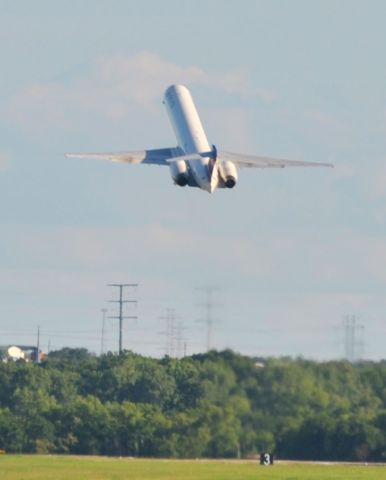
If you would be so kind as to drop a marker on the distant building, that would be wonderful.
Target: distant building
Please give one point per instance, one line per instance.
(259, 365)
(26, 353)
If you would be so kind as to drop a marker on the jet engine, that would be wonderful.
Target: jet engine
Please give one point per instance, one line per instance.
(228, 173)
(179, 172)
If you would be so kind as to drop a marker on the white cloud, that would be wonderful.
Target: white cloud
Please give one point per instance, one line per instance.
(116, 85)
(146, 75)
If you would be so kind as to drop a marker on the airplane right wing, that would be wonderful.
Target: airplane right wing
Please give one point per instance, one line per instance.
(253, 161)
(155, 157)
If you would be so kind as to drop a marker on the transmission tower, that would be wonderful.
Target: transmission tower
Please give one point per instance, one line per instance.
(120, 301)
(168, 332)
(175, 345)
(180, 340)
(353, 338)
(208, 305)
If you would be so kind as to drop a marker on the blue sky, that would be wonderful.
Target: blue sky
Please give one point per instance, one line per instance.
(292, 251)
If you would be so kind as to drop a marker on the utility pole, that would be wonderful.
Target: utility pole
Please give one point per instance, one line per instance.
(38, 346)
(121, 317)
(209, 307)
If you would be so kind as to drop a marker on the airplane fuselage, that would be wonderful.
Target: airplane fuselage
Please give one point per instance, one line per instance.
(191, 137)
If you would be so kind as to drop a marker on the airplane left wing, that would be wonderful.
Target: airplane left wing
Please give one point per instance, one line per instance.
(252, 161)
(154, 157)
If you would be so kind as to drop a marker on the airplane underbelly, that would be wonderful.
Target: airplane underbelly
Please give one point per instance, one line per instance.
(200, 173)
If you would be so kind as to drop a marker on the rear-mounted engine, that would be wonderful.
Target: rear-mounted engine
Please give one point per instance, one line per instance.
(179, 172)
(228, 173)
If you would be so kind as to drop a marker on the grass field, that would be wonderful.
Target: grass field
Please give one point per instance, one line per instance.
(39, 467)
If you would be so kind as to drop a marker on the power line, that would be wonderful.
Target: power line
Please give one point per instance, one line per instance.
(120, 301)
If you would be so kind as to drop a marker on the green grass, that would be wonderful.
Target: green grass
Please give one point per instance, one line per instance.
(39, 467)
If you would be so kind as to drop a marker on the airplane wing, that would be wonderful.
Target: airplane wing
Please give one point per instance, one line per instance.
(252, 161)
(155, 157)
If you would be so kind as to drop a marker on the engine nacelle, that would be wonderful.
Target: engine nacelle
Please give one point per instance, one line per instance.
(228, 173)
(179, 172)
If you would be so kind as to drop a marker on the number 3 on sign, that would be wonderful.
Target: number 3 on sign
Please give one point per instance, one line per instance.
(266, 459)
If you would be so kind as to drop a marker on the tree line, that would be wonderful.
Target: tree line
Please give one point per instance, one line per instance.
(219, 404)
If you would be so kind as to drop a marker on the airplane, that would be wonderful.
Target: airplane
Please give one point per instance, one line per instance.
(193, 161)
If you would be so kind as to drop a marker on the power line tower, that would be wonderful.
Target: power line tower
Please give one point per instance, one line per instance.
(180, 340)
(208, 305)
(169, 319)
(353, 338)
(120, 301)
(174, 340)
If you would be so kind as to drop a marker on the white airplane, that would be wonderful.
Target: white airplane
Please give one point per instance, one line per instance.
(193, 161)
